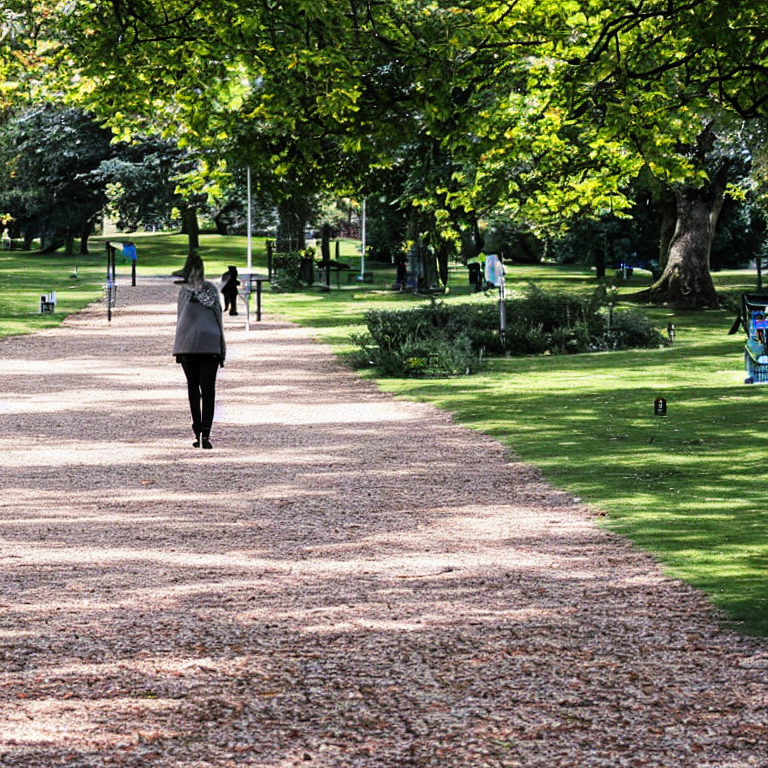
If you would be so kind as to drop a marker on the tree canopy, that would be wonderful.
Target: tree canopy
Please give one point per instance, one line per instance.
(540, 110)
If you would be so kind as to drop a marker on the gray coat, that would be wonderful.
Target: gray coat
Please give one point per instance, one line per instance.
(199, 326)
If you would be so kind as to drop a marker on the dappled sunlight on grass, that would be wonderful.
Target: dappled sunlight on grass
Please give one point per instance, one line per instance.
(589, 423)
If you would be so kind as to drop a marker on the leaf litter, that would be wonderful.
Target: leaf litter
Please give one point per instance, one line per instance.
(345, 580)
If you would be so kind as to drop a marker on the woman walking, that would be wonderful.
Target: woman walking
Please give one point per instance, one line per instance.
(199, 344)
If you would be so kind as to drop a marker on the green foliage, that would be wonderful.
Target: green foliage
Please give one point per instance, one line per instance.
(540, 112)
(141, 182)
(456, 338)
(287, 276)
(430, 340)
(632, 329)
(51, 158)
(740, 237)
(422, 357)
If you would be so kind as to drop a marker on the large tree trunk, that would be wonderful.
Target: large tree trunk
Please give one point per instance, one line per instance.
(667, 231)
(686, 281)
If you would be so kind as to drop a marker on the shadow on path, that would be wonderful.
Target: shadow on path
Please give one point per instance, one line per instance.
(345, 580)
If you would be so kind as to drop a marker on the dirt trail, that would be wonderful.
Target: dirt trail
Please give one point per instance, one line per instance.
(345, 580)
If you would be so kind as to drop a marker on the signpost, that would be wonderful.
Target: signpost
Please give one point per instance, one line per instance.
(494, 274)
(110, 288)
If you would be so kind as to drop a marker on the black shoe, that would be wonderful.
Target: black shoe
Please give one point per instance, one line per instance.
(207, 443)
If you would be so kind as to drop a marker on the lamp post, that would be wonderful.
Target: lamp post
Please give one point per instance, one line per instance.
(362, 259)
(250, 250)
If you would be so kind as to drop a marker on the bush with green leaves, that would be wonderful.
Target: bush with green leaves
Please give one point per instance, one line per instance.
(428, 341)
(632, 329)
(440, 339)
(287, 272)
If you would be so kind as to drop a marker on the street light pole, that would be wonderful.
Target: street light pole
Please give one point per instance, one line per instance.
(362, 260)
(250, 250)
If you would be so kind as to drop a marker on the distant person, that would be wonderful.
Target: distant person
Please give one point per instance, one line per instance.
(229, 283)
(199, 344)
(402, 272)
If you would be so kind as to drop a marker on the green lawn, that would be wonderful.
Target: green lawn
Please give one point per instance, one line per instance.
(25, 276)
(690, 487)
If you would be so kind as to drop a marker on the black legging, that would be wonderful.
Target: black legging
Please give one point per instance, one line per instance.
(201, 371)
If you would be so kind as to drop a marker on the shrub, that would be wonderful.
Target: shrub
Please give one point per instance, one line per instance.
(447, 340)
(632, 329)
(427, 341)
(287, 276)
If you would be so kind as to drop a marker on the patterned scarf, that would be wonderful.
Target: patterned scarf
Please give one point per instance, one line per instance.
(207, 294)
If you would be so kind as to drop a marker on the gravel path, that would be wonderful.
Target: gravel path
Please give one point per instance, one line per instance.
(345, 580)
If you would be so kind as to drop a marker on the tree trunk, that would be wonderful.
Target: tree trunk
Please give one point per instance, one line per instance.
(477, 237)
(219, 221)
(686, 281)
(599, 249)
(667, 231)
(428, 266)
(443, 254)
(84, 235)
(325, 243)
(51, 246)
(190, 226)
(292, 213)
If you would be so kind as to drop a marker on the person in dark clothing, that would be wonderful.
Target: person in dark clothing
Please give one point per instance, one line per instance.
(229, 283)
(199, 345)
(402, 272)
